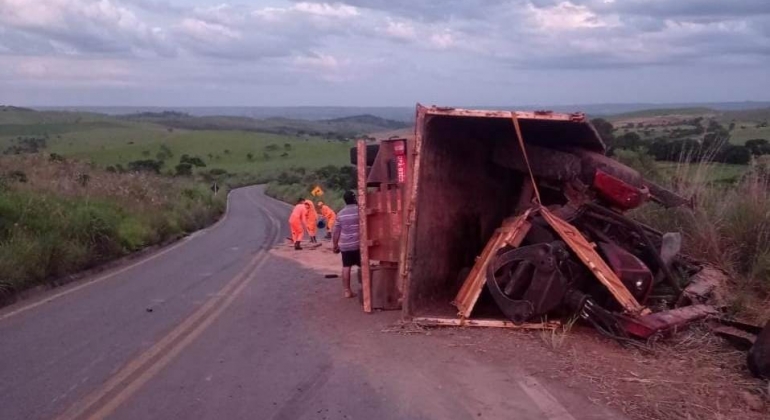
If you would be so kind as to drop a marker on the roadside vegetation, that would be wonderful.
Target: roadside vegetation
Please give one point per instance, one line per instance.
(298, 182)
(59, 216)
(729, 184)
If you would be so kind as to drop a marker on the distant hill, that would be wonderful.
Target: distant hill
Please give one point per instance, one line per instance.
(754, 115)
(396, 113)
(762, 114)
(338, 128)
(314, 113)
(25, 121)
(368, 119)
(17, 121)
(662, 112)
(10, 108)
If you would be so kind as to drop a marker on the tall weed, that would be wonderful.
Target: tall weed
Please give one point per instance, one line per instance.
(52, 224)
(729, 225)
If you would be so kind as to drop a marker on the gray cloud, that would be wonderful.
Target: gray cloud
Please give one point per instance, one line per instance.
(432, 10)
(157, 6)
(81, 27)
(687, 8)
(422, 44)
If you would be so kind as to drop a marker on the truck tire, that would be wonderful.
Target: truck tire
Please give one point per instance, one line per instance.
(759, 355)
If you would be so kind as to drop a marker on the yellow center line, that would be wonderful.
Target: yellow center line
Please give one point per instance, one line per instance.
(110, 406)
(167, 341)
(121, 386)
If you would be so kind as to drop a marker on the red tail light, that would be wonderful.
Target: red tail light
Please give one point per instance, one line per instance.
(618, 193)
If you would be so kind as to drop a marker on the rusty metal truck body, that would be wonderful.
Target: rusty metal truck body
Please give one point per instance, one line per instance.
(515, 216)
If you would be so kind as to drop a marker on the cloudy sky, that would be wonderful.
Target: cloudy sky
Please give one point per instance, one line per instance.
(382, 52)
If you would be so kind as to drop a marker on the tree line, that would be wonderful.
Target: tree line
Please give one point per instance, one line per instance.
(692, 143)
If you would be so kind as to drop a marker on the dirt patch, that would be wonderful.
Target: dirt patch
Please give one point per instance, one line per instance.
(693, 375)
(320, 259)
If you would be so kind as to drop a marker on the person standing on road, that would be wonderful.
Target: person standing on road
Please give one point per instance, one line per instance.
(330, 217)
(297, 222)
(312, 221)
(346, 239)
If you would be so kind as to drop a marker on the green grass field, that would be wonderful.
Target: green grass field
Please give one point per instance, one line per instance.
(739, 135)
(107, 141)
(662, 112)
(714, 172)
(748, 131)
(748, 123)
(226, 150)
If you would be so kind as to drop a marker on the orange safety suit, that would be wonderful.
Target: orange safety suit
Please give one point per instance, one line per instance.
(311, 219)
(297, 222)
(330, 217)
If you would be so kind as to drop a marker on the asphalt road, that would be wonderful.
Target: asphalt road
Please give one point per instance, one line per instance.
(216, 327)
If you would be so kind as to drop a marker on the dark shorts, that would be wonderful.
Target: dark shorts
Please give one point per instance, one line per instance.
(351, 258)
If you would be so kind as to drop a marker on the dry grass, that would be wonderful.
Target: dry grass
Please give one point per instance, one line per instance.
(556, 337)
(692, 375)
(67, 179)
(695, 375)
(60, 217)
(728, 226)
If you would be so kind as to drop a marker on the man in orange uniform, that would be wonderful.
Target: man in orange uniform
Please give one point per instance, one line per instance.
(297, 222)
(330, 217)
(312, 220)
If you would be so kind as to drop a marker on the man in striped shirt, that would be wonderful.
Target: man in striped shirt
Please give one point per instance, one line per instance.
(346, 239)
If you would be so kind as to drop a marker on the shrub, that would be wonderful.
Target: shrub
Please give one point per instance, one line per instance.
(147, 165)
(166, 151)
(758, 147)
(134, 234)
(192, 161)
(288, 178)
(183, 169)
(17, 176)
(22, 145)
(83, 179)
(737, 155)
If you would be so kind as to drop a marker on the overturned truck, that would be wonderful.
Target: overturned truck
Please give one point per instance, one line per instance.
(498, 218)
